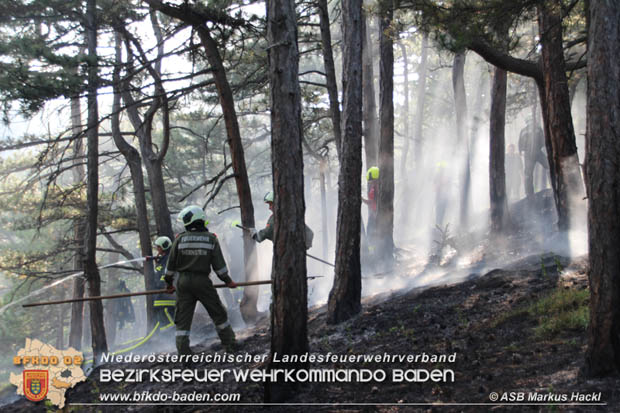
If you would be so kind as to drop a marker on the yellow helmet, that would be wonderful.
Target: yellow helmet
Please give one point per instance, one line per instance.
(373, 173)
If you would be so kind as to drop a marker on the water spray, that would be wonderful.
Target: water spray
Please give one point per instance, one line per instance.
(68, 277)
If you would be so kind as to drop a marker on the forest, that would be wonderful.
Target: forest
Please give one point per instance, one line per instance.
(430, 177)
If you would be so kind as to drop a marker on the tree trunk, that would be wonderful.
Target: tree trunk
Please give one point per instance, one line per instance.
(250, 295)
(603, 186)
(558, 123)
(92, 273)
(344, 298)
(371, 140)
(289, 315)
(385, 204)
(330, 72)
(406, 133)
(421, 97)
(132, 157)
(497, 173)
(462, 144)
(324, 230)
(79, 227)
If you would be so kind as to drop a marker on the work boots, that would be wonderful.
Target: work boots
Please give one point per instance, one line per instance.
(227, 337)
(182, 343)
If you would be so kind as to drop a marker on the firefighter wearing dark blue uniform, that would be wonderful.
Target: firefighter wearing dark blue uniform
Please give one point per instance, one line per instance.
(164, 303)
(193, 255)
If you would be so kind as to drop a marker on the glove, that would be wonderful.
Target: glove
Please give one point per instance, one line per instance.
(254, 234)
(168, 278)
(149, 258)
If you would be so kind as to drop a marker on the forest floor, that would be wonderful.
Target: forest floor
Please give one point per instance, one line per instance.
(516, 331)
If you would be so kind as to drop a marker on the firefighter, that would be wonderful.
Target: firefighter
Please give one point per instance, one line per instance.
(164, 303)
(267, 232)
(192, 256)
(372, 177)
(125, 311)
(531, 144)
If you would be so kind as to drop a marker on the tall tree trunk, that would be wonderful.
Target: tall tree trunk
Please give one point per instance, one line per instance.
(497, 172)
(344, 298)
(250, 295)
(324, 230)
(371, 139)
(385, 204)
(420, 100)
(289, 315)
(132, 157)
(99, 343)
(603, 185)
(462, 145)
(558, 123)
(406, 133)
(330, 72)
(79, 227)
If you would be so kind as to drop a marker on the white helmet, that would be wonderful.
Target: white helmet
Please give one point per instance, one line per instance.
(163, 242)
(190, 214)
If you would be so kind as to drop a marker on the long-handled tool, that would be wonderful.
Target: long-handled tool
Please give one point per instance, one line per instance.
(308, 255)
(163, 291)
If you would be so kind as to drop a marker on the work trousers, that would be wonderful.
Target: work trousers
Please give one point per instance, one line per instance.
(193, 287)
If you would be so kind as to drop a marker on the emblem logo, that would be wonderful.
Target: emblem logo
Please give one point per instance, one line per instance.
(36, 384)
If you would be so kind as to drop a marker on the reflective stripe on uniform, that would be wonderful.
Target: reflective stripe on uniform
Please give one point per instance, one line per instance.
(221, 271)
(196, 245)
(182, 333)
(164, 303)
(222, 326)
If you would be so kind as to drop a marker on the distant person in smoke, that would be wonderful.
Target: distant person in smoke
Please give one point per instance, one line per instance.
(514, 172)
(442, 190)
(531, 143)
(267, 232)
(372, 192)
(125, 311)
(164, 303)
(193, 255)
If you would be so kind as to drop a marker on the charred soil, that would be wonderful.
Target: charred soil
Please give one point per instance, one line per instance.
(499, 326)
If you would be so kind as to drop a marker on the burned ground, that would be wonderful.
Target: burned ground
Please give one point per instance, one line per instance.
(484, 321)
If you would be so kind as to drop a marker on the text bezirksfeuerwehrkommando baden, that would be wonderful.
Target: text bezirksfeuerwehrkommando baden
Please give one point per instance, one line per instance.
(357, 373)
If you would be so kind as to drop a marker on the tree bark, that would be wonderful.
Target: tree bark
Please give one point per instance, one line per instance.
(558, 123)
(420, 100)
(345, 297)
(371, 139)
(79, 227)
(330, 72)
(323, 165)
(462, 144)
(603, 186)
(289, 315)
(497, 172)
(385, 204)
(132, 157)
(99, 343)
(406, 130)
